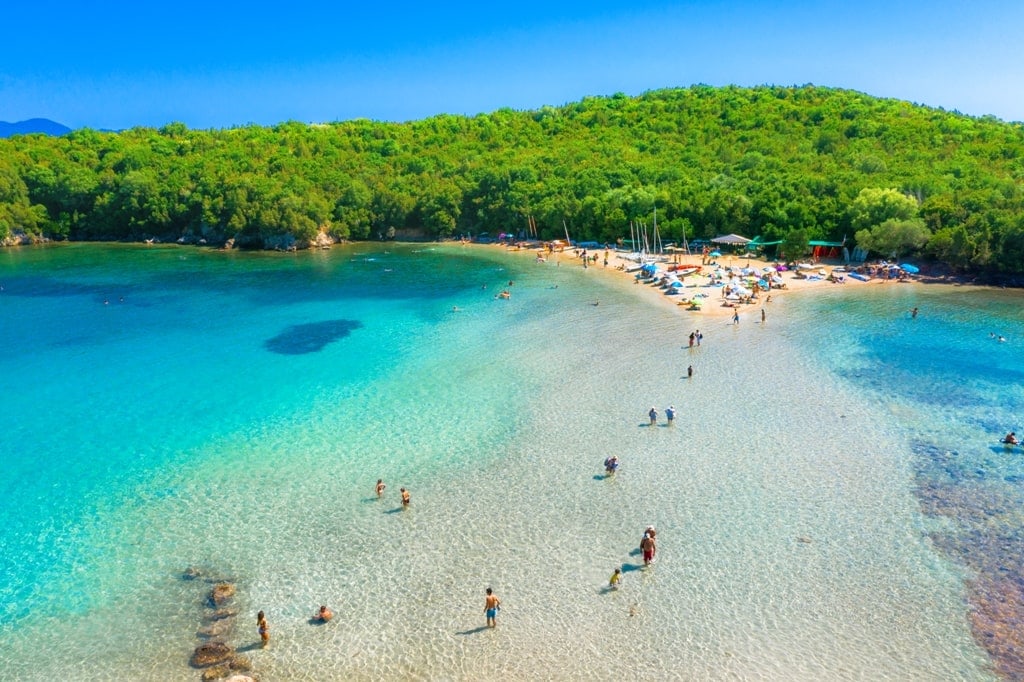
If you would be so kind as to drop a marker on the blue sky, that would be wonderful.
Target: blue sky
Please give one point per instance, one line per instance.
(216, 65)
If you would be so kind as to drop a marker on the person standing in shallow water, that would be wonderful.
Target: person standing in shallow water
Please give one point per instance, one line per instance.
(689, 372)
(491, 606)
(380, 487)
(647, 547)
(405, 497)
(653, 414)
(263, 628)
(736, 317)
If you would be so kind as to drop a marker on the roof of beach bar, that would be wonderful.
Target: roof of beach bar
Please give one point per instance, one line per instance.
(730, 239)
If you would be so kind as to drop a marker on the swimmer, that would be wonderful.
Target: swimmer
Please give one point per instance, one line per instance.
(491, 606)
(913, 313)
(323, 615)
(1011, 439)
(1001, 339)
(613, 582)
(380, 487)
(405, 497)
(456, 308)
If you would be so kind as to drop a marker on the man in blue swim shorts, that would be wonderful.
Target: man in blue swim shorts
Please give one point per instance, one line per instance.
(491, 606)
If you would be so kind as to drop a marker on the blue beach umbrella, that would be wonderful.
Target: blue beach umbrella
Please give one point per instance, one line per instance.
(715, 254)
(912, 269)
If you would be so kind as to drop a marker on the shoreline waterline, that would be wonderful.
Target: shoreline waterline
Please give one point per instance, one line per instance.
(507, 492)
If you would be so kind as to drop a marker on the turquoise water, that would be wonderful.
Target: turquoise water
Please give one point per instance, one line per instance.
(817, 500)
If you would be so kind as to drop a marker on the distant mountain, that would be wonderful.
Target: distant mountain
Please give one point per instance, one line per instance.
(33, 125)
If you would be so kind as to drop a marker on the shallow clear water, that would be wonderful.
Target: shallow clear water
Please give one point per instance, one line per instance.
(233, 412)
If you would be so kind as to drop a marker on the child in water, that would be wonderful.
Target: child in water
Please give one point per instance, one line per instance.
(613, 582)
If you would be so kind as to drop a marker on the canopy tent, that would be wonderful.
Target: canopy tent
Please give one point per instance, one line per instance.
(823, 249)
(730, 239)
(756, 243)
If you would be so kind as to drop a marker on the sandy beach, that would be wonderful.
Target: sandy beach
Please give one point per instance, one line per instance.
(713, 303)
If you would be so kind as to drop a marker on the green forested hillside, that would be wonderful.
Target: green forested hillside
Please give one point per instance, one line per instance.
(803, 163)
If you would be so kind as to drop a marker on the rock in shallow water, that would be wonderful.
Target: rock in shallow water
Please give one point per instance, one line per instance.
(219, 614)
(211, 653)
(222, 593)
(218, 628)
(215, 673)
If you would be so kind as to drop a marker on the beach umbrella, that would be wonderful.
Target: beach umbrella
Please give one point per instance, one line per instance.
(676, 284)
(768, 268)
(715, 254)
(912, 269)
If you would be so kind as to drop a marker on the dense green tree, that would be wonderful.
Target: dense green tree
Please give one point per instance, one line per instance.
(874, 206)
(795, 245)
(894, 237)
(794, 163)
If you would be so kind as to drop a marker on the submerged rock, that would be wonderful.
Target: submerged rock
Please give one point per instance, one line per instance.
(215, 673)
(211, 653)
(217, 628)
(219, 614)
(191, 573)
(312, 337)
(222, 593)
